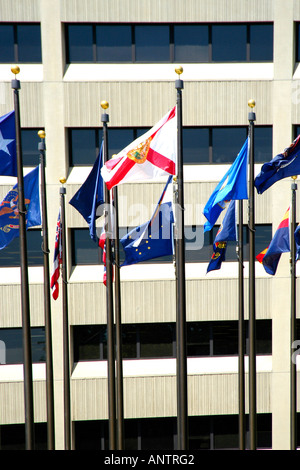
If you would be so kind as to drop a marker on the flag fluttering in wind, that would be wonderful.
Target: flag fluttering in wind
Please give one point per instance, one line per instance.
(90, 196)
(283, 165)
(227, 232)
(154, 238)
(280, 243)
(8, 152)
(9, 210)
(149, 156)
(233, 185)
(57, 259)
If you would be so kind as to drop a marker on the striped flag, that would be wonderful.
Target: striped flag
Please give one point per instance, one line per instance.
(57, 261)
(280, 243)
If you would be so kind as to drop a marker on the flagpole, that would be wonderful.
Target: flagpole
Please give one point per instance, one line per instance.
(27, 362)
(109, 300)
(66, 349)
(252, 326)
(120, 406)
(293, 319)
(48, 334)
(182, 405)
(241, 333)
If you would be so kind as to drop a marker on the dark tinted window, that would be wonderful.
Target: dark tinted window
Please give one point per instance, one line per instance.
(229, 43)
(80, 43)
(196, 145)
(20, 43)
(114, 43)
(84, 146)
(152, 43)
(191, 44)
(10, 255)
(261, 42)
(12, 338)
(29, 43)
(30, 151)
(84, 249)
(226, 143)
(6, 43)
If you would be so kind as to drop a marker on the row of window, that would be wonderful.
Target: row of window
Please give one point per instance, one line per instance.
(205, 433)
(201, 145)
(86, 252)
(196, 43)
(157, 340)
(141, 341)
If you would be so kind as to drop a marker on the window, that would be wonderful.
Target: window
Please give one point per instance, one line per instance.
(204, 433)
(20, 43)
(229, 43)
(158, 340)
(10, 255)
(199, 247)
(201, 145)
(12, 339)
(12, 436)
(185, 43)
(30, 151)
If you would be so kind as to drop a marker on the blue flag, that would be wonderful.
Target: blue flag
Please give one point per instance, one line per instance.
(233, 185)
(297, 242)
(152, 239)
(8, 152)
(90, 195)
(227, 232)
(283, 165)
(9, 213)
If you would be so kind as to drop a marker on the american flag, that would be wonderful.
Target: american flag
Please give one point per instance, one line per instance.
(57, 261)
(102, 244)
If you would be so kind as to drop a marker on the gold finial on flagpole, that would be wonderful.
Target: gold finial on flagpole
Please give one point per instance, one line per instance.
(42, 134)
(251, 103)
(62, 180)
(178, 70)
(104, 104)
(15, 69)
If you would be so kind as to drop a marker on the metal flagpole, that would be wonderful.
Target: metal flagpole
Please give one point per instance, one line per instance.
(27, 364)
(182, 405)
(241, 334)
(48, 334)
(66, 349)
(252, 326)
(109, 300)
(119, 365)
(293, 319)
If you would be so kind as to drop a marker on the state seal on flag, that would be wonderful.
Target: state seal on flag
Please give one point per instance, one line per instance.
(139, 153)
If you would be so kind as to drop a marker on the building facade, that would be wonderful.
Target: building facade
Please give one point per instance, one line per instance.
(73, 55)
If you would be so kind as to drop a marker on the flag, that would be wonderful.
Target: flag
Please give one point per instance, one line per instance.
(9, 211)
(153, 238)
(233, 185)
(226, 233)
(297, 242)
(151, 155)
(280, 243)
(90, 196)
(283, 165)
(57, 259)
(8, 150)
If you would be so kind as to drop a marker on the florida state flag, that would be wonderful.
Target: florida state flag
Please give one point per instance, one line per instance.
(148, 157)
